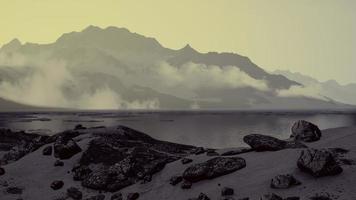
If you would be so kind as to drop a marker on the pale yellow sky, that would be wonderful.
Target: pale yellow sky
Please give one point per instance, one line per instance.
(315, 37)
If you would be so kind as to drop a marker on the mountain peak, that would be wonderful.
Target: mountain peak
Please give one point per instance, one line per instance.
(13, 45)
(188, 49)
(92, 28)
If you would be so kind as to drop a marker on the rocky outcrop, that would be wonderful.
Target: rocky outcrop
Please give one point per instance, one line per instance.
(305, 131)
(114, 160)
(284, 181)
(213, 168)
(318, 162)
(18, 144)
(268, 143)
(65, 148)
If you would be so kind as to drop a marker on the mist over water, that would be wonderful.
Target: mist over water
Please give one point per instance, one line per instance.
(208, 129)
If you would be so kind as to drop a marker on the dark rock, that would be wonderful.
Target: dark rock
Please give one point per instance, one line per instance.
(186, 184)
(226, 191)
(117, 196)
(203, 196)
(186, 161)
(199, 150)
(212, 152)
(284, 181)
(318, 163)
(18, 144)
(97, 197)
(146, 179)
(81, 172)
(271, 196)
(74, 193)
(292, 198)
(320, 197)
(58, 163)
(47, 151)
(125, 157)
(2, 171)
(338, 151)
(175, 180)
(14, 190)
(268, 143)
(344, 161)
(236, 151)
(305, 131)
(213, 168)
(79, 127)
(65, 148)
(56, 185)
(133, 196)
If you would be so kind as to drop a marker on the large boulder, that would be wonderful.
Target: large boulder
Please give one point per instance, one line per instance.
(318, 162)
(56, 185)
(74, 193)
(213, 168)
(305, 131)
(65, 148)
(284, 181)
(114, 160)
(268, 143)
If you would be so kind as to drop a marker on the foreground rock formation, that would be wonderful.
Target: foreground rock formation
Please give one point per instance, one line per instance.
(106, 163)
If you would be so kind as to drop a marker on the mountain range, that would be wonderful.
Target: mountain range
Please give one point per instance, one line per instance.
(113, 68)
(330, 88)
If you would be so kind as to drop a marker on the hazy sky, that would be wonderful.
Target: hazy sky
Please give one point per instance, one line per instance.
(315, 37)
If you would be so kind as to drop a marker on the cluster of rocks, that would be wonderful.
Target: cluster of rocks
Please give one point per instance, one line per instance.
(121, 157)
(114, 160)
(17, 144)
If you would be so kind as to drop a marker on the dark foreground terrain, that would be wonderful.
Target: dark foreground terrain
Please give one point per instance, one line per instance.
(113, 163)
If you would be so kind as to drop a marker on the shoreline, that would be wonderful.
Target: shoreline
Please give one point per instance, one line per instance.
(35, 172)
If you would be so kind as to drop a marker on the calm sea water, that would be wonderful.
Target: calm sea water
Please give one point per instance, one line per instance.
(209, 129)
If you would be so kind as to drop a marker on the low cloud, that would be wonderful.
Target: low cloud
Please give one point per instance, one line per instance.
(46, 83)
(312, 91)
(194, 76)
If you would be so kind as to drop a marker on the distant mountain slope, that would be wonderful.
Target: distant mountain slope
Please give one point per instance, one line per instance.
(114, 68)
(330, 88)
(6, 105)
(188, 54)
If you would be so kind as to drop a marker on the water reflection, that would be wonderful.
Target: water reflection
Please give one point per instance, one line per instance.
(211, 129)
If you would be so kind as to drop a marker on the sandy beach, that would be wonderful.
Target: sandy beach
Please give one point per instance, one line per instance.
(35, 172)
